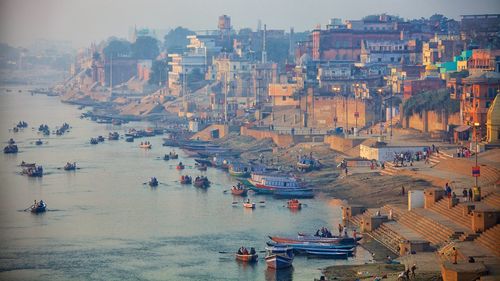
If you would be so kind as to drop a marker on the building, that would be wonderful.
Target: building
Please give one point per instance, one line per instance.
(345, 44)
(184, 65)
(493, 122)
(284, 94)
(415, 87)
(385, 51)
(478, 92)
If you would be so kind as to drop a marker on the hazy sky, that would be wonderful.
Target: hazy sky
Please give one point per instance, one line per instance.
(85, 21)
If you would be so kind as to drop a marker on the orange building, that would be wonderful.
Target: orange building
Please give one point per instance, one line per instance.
(283, 94)
(478, 92)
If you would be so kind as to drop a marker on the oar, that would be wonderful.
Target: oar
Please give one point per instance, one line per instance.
(28, 208)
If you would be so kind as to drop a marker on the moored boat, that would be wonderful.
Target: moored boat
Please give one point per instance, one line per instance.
(327, 255)
(293, 193)
(129, 139)
(314, 239)
(279, 257)
(315, 246)
(201, 167)
(238, 171)
(270, 183)
(100, 138)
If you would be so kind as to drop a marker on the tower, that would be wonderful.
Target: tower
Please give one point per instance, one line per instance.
(264, 53)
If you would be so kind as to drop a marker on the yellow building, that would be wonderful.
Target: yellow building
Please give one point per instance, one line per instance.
(493, 122)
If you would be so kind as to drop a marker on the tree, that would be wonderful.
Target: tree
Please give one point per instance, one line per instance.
(176, 41)
(159, 71)
(431, 100)
(145, 48)
(117, 48)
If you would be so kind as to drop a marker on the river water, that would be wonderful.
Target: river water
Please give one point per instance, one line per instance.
(103, 223)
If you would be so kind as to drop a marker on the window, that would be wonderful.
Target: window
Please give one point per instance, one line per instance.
(379, 59)
(283, 98)
(392, 58)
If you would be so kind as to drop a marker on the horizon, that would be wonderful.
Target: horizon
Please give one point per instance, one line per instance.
(21, 27)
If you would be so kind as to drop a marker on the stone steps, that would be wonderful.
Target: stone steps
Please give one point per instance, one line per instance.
(492, 200)
(455, 213)
(490, 239)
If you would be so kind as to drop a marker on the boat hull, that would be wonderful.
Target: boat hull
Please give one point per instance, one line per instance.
(247, 258)
(278, 262)
(239, 192)
(314, 239)
(326, 255)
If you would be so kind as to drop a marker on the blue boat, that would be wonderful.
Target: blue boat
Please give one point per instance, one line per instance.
(40, 207)
(294, 193)
(314, 246)
(326, 255)
(279, 257)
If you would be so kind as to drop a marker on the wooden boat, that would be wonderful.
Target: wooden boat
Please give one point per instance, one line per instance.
(38, 142)
(201, 167)
(247, 258)
(315, 246)
(202, 182)
(279, 257)
(11, 148)
(327, 255)
(129, 139)
(239, 191)
(69, 167)
(314, 239)
(180, 166)
(186, 180)
(166, 157)
(113, 136)
(153, 182)
(40, 207)
(270, 183)
(33, 172)
(93, 141)
(238, 171)
(309, 236)
(249, 205)
(293, 193)
(100, 138)
(173, 155)
(28, 165)
(294, 204)
(204, 162)
(146, 145)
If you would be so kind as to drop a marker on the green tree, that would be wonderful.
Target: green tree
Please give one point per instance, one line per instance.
(117, 48)
(145, 48)
(176, 41)
(159, 71)
(431, 100)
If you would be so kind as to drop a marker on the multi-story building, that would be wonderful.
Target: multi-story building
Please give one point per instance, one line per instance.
(385, 51)
(184, 65)
(477, 93)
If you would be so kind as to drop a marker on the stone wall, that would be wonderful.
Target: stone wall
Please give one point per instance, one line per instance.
(279, 140)
(429, 121)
